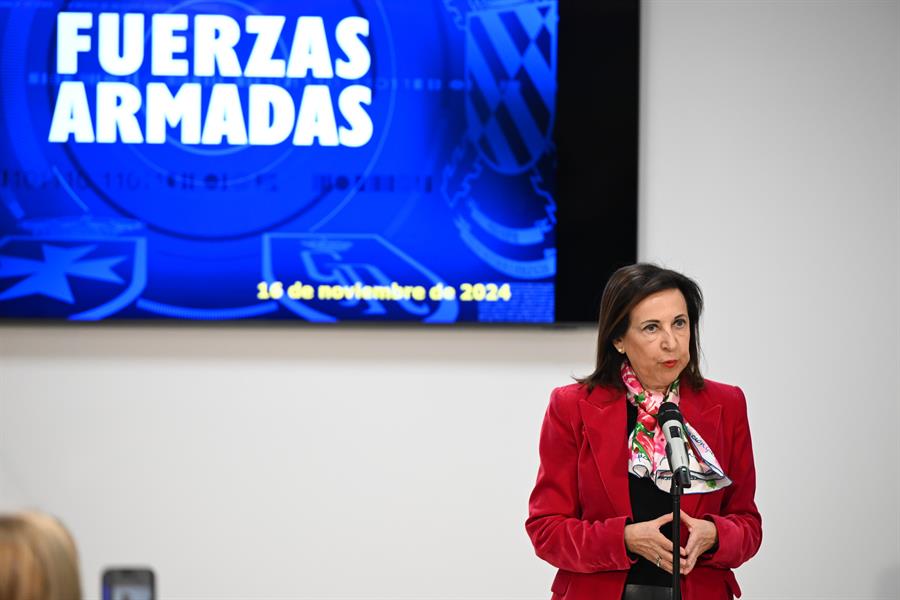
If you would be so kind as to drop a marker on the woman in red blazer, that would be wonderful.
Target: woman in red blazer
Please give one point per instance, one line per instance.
(598, 511)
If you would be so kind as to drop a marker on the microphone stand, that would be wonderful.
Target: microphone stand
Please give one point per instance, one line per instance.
(676, 534)
(673, 428)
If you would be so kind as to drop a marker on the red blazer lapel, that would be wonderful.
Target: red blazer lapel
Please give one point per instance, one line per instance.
(706, 419)
(604, 416)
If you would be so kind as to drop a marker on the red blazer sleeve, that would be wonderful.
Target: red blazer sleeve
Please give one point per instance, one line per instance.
(559, 535)
(739, 523)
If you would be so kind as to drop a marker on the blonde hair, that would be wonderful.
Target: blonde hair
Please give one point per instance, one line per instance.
(38, 559)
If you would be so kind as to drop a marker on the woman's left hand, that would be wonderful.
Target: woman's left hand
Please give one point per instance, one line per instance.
(702, 535)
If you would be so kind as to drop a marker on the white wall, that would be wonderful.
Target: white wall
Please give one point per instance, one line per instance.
(364, 463)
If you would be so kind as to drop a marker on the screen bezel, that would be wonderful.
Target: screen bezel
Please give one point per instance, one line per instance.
(597, 184)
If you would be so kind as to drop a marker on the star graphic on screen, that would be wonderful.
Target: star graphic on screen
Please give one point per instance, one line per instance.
(50, 276)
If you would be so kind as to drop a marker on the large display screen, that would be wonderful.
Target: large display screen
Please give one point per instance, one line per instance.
(322, 161)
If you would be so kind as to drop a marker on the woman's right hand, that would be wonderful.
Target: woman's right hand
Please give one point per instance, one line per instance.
(645, 539)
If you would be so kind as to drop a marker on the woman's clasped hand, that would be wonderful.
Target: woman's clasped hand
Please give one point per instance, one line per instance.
(646, 539)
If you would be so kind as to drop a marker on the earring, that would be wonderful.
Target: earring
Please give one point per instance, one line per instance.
(621, 350)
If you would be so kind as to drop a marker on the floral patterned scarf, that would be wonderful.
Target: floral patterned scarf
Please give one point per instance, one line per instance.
(647, 444)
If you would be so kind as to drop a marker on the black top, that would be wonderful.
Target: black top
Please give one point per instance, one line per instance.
(647, 503)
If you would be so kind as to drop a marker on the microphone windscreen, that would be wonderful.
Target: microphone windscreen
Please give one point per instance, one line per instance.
(668, 411)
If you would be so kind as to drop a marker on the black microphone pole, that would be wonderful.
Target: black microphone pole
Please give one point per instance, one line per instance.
(671, 423)
(676, 538)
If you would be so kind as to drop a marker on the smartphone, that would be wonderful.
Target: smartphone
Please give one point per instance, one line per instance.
(133, 583)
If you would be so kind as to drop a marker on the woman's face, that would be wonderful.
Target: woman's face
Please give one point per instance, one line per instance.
(657, 342)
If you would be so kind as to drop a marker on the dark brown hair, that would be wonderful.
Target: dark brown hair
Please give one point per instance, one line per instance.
(624, 290)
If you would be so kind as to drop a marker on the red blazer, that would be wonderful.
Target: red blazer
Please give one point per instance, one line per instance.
(580, 503)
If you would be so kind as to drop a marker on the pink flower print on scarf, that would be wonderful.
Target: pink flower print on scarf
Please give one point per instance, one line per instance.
(647, 444)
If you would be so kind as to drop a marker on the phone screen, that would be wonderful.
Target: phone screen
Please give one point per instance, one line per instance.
(131, 592)
(128, 584)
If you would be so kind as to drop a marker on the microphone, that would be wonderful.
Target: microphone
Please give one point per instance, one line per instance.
(672, 425)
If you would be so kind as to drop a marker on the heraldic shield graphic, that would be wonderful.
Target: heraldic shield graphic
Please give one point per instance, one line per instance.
(510, 104)
(75, 278)
(334, 277)
(511, 55)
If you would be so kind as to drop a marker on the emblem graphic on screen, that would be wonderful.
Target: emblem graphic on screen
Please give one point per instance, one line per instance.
(325, 160)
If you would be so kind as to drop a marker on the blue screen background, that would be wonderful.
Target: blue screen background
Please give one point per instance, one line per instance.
(456, 186)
